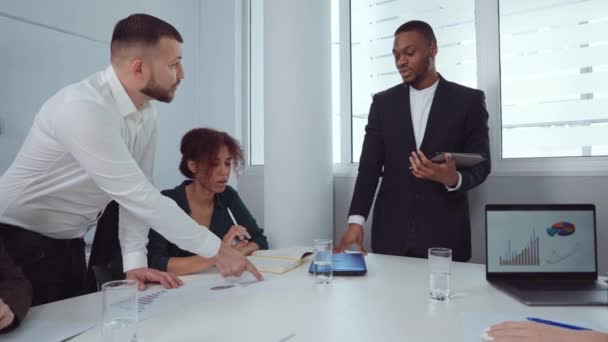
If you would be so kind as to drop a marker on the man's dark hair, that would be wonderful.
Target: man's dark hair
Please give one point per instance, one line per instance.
(142, 29)
(421, 27)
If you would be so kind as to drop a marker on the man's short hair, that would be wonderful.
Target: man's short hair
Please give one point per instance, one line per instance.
(421, 27)
(142, 29)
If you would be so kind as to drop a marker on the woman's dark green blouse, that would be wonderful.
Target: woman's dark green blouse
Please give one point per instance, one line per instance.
(160, 249)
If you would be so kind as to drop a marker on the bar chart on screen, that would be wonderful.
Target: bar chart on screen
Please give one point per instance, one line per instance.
(528, 256)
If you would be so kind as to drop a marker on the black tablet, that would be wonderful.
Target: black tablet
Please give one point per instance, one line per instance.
(346, 264)
(461, 159)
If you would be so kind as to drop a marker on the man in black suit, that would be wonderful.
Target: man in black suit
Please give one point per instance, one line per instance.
(420, 203)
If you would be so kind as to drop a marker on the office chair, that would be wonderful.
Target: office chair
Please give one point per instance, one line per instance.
(105, 262)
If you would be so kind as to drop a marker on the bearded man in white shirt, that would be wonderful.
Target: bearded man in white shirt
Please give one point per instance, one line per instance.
(93, 142)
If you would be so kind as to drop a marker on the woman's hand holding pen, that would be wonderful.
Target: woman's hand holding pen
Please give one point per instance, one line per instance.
(237, 236)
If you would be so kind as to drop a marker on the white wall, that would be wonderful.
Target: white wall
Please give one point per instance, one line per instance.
(221, 63)
(91, 19)
(297, 122)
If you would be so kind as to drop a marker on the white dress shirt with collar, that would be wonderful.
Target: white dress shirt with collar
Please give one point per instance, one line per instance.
(420, 107)
(87, 146)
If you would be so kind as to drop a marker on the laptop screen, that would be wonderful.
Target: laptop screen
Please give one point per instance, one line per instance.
(540, 239)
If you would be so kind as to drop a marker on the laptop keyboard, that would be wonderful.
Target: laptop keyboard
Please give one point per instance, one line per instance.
(558, 285)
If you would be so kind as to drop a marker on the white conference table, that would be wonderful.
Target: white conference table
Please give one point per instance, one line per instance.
(390, 303)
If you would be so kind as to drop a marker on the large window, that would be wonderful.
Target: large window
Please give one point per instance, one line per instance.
(373, 24)
(542, 65)
(554, 63)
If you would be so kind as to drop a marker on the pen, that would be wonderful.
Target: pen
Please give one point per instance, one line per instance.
(231, 216)
(235, 240)
(556, 324)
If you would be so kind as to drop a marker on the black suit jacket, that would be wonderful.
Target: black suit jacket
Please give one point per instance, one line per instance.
(412, 215)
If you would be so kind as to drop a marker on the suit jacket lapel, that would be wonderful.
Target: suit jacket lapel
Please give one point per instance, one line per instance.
(404, 121)
(434, 123)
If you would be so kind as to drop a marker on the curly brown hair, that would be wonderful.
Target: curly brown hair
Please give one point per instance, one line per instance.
(203, 145)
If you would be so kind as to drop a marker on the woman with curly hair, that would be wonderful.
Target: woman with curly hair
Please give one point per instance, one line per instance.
(208, 157)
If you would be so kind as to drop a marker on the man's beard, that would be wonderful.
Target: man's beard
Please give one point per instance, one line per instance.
(155, 91)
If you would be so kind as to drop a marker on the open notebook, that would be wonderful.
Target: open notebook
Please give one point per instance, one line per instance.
(280, 260)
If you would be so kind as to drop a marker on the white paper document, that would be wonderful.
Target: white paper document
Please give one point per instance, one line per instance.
(159, 301)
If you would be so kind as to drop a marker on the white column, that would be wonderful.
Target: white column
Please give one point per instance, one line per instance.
(298, 190)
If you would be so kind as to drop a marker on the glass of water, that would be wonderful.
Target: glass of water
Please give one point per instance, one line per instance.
(119, 311)
(439, 272)
(322, 261)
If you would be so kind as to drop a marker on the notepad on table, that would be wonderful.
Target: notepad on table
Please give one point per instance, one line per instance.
(280, 260)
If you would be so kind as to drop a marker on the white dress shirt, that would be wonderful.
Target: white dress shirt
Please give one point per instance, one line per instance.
(420, 107)
(88, 145)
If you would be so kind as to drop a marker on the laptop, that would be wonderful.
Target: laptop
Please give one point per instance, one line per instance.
(346, 264)
(544, 254)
